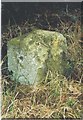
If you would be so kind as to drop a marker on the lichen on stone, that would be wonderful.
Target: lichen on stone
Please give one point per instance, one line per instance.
(30, 56)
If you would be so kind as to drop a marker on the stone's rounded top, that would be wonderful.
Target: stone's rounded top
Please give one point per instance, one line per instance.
(34, 53)
(38, 33)
(38, 38)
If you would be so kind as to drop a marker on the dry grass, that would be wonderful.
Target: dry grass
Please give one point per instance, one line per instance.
(56, 96)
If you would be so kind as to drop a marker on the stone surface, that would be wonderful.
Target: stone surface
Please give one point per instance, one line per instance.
(31, 55)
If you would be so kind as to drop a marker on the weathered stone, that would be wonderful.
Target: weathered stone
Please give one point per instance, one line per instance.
(30, 56)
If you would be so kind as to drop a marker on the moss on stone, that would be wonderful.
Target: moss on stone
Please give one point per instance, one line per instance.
(40, 50)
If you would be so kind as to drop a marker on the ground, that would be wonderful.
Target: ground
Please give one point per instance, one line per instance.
(56, 96)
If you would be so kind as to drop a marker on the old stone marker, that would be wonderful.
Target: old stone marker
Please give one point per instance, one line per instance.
(31, 55)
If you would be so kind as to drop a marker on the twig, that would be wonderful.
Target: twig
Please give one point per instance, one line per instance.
(11, 103)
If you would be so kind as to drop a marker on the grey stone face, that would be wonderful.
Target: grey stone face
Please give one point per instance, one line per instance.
(30, 56)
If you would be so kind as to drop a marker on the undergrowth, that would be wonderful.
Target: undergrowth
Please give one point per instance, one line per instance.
(56, 96)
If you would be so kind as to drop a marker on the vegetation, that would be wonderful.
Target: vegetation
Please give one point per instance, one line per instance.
(56, 96)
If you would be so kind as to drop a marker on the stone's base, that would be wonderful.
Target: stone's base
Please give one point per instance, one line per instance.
(30, 56)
